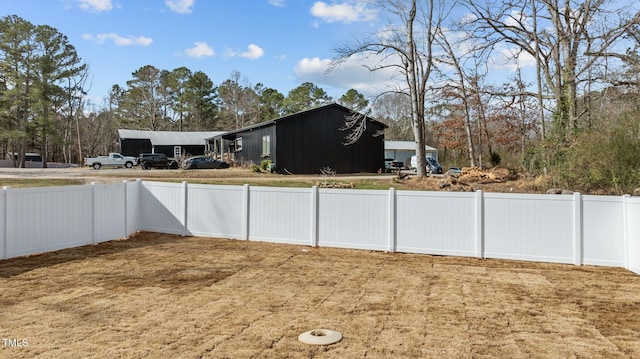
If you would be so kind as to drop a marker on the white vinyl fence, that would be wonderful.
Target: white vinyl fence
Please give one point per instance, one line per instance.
(577, 229)
(36, 220)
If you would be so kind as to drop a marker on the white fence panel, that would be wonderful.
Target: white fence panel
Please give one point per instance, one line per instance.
(529, 227)
(109, 212)
(162, 207)
(281, 215)
(633, 233)
(215, 211)
(133, 206)
(3, 224)
(356, 219)
(436, 223)
(597, 230)
(603, 230)
(48, 218)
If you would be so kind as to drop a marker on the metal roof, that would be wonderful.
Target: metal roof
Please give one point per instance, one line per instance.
(404, 145)
(168, 138)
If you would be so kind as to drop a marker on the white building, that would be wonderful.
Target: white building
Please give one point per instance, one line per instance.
(403, 150)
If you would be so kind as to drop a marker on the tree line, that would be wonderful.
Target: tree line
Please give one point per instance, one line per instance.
(43, 106)
(572, 119)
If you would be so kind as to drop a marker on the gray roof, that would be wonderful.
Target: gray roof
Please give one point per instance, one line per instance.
(168, 138)
(404, 145)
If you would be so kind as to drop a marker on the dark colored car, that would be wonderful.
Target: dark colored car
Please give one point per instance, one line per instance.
(391, 165)
(433, 166)
(204, 162)
(148, 161)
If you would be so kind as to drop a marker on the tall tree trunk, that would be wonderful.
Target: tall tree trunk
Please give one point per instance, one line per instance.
(417, 112)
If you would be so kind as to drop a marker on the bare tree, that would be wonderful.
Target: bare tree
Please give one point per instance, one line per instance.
(567, 39)
(240, 102)
(408, 44)
(458, 86)
(394, 110)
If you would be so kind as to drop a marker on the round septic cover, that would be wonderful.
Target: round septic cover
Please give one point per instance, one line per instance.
(320, 337)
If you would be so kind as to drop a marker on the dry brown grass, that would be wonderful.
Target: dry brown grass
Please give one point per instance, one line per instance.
(165, 296)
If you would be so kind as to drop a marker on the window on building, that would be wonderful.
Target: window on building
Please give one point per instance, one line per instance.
(266, 146)
(238, 144)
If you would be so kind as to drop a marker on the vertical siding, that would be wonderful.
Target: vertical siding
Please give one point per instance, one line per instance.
(529, 227)
(353, 219)
(436, 223)
(280, 215)
(603, 230)
(49, 218)
(215, 211)
(312, 140)
(251, 152)
(133, 147)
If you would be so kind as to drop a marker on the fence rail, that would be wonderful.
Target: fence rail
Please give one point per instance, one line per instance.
(578, 229)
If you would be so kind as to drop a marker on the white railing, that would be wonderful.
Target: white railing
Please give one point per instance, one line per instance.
(578, 229)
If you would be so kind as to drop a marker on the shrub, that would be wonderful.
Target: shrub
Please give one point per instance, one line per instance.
(604, 158)
(495, 158)
(265, 165)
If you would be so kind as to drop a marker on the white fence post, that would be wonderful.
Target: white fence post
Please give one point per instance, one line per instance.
(392, 220)
(625, 226)
(314, 216)
(93, 214)
(246, 211)
(5, 230)
(577, 229)
(479, 224)
(126, 214)
(139, 188)
(185, 196)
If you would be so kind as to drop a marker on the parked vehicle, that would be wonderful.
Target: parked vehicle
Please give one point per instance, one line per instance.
(205, 162)
(29, 157)
(432, 165)
(391, 165)
(113, 160)
(454, 170)
(148, 161)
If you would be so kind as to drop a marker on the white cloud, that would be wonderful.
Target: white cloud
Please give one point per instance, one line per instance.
(200, 49)
(95, 5)
(277, 3)
(510, 59)
(343, 12)
(228, 53)
(119, 40)
(180, 6)
(351, 74)
(253, 52)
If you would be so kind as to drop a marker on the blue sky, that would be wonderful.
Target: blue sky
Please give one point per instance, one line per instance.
(280, 43)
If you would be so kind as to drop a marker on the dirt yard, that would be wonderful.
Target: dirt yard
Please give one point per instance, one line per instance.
(164, 296)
